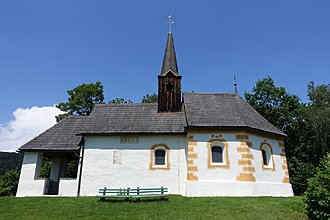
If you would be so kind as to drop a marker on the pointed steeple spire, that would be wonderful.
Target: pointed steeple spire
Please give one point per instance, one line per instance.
(169, 80)
(169, 62)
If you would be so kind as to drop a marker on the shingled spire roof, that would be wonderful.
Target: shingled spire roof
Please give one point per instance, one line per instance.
(169, 62)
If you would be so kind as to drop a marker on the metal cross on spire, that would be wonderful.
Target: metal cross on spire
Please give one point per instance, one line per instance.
(170, 23)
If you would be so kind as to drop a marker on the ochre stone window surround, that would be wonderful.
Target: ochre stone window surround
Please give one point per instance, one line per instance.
(217, 142)
(267, 152)
(153, 149)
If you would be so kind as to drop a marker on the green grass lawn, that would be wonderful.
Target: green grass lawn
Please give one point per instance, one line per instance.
(176, 207)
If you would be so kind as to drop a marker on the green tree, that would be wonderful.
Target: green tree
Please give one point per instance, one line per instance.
(318, 118)
(119, 101)
(286, 112)
(300, 172)
(46, 166)
(317, 195)
(71, 169)
(9, 161)
(319, 96)
(150, 98)
(279, 107)
(82, 100)
(9, 183)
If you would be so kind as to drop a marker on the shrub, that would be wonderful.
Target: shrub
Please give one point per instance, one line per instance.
(300, 172)
(9, 183)
(317, 195)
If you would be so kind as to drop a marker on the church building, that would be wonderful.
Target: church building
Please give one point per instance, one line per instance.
(195, 144)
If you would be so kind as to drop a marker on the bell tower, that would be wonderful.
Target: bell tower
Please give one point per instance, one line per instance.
(169, 80)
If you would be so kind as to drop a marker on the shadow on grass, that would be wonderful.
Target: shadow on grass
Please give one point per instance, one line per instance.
(132, 200)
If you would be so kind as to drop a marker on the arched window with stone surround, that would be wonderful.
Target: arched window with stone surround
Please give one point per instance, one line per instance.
(159, 157)
(218, 154)
(267, 157)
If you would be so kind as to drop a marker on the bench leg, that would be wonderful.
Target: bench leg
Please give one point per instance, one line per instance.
(102, 199)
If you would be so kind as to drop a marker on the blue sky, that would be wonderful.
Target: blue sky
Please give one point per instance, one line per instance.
(49, 47)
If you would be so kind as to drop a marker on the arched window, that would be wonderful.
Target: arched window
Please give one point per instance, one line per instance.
(218, 154)
(267, 156)
(159, 157)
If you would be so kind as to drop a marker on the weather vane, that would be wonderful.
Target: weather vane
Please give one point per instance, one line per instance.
(170, 23)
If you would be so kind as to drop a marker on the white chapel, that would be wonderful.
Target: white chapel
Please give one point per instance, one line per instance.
(195, 144)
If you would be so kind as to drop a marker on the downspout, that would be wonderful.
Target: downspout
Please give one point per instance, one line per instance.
(81, 165)
(179, 165)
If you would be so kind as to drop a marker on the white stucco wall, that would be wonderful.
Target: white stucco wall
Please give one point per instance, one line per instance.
(110, 163)
(218, 188)
(219, 181)
(29, 184)
(68, 187)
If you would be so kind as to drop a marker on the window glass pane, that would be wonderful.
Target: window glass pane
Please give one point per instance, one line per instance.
(217, 154)
(264, 157)
(160, 157)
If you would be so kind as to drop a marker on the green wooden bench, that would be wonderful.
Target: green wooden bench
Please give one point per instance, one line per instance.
(133, 193)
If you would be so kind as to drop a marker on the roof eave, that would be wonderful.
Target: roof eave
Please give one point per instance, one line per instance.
(238, 128)
(47, 149)
(130, 133)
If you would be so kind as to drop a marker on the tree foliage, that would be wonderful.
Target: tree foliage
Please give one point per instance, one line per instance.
(9, 183)
(45, 168)
(150, 98)
(71, 168)
(300, 172)
(82, 100)
(9, 161)
(307, 125)
(279, 107)
(317, 195)
(318, 119)
(119, 101)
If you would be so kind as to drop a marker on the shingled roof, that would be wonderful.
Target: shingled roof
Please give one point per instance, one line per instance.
(133, 118)
(169, 61)
(224, 110)
(61, 137)
(202, 110)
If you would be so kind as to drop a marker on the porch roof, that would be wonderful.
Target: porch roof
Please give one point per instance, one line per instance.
(61, 136)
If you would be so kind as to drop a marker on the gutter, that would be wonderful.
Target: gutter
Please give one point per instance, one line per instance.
(81, 165)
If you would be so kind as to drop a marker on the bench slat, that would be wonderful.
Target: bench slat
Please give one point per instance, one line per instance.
(133, 193)
(142, 189)
(134, 196)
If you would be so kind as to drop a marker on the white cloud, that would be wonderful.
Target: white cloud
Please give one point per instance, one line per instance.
(28, 123)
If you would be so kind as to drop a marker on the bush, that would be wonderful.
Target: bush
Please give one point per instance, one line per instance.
(300, 172)
(46, 166)
(9, 183)
(317, 195)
